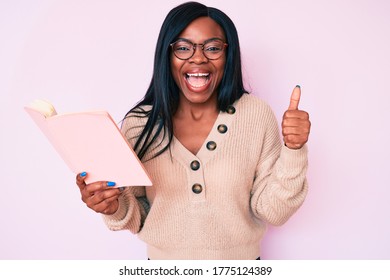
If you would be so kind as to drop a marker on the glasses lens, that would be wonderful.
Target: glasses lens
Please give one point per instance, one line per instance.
(213, 49)
(183, 49)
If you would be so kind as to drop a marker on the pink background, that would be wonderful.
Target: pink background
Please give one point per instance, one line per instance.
(98, 55)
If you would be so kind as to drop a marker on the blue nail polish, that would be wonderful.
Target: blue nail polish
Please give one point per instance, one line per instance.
(83, 174)
(110, 184)
(298, 86)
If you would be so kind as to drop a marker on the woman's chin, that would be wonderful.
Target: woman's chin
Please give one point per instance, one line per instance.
(198, 97)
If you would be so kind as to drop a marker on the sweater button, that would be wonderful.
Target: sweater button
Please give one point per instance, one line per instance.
(195, 165)
(230, 110)
(211, 145)
(197, 188)
(222, 128)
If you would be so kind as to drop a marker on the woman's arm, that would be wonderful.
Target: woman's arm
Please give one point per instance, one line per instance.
(132, 210)
(280, 184)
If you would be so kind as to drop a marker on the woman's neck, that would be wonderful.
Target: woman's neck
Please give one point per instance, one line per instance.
(197, 111)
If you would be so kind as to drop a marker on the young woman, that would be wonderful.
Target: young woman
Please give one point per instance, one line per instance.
(219, 170)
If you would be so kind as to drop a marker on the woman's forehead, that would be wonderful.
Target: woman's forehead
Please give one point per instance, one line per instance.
(202, 29)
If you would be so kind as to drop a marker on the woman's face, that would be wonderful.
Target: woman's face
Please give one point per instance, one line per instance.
(198, 77)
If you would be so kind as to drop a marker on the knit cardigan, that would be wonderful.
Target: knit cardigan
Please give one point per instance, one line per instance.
(215, 204)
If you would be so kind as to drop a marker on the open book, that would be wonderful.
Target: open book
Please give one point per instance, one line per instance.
(90, 142)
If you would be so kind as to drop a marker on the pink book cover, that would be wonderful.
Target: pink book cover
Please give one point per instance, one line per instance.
(92, 142)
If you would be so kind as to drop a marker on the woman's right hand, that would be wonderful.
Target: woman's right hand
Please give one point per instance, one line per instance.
(99, 196)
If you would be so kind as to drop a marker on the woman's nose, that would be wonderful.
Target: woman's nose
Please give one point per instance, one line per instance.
(198, 56)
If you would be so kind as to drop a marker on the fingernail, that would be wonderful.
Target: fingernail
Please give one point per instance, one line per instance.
(121, 189)
(83, 174)
(110, 184)
(298, 86)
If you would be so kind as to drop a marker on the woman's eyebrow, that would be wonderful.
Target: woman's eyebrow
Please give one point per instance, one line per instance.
(210, 39)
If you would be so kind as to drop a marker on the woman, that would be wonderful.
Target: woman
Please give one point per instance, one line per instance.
(219, 171)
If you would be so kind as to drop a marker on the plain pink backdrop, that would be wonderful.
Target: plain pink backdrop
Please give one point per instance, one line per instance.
(99, 54)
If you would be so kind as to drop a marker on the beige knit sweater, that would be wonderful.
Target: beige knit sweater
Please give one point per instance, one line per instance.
(216, 204)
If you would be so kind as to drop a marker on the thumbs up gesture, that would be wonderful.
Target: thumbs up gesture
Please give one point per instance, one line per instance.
(296, 123)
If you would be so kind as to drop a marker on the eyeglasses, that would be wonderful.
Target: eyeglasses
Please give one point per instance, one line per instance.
(185, 49)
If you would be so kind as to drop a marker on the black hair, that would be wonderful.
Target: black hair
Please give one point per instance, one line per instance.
(163, 93)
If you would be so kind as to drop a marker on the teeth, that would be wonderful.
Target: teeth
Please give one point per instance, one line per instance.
(198, 74)
(197, 80)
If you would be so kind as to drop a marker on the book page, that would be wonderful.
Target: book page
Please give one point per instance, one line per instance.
(92, 142)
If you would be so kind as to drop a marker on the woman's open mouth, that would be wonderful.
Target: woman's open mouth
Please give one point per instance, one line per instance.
(197, 81)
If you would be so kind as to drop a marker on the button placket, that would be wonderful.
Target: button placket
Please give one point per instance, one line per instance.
(197, 184)
(219, 131)
(221, 128)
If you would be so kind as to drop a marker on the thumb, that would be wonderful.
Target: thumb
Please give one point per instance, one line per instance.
(295, 97)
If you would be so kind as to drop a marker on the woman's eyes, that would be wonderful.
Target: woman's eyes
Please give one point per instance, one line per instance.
(212, 48)
(182, 48)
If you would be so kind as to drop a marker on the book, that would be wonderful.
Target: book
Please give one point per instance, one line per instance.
(92, 142)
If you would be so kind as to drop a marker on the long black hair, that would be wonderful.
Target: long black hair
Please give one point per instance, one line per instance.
(163, 93)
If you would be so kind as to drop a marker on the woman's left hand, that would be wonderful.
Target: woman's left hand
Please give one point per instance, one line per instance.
(296, 123)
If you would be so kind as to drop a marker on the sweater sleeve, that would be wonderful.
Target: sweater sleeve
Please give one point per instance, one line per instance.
(132, 211)
(280, 184)
(133, 204)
